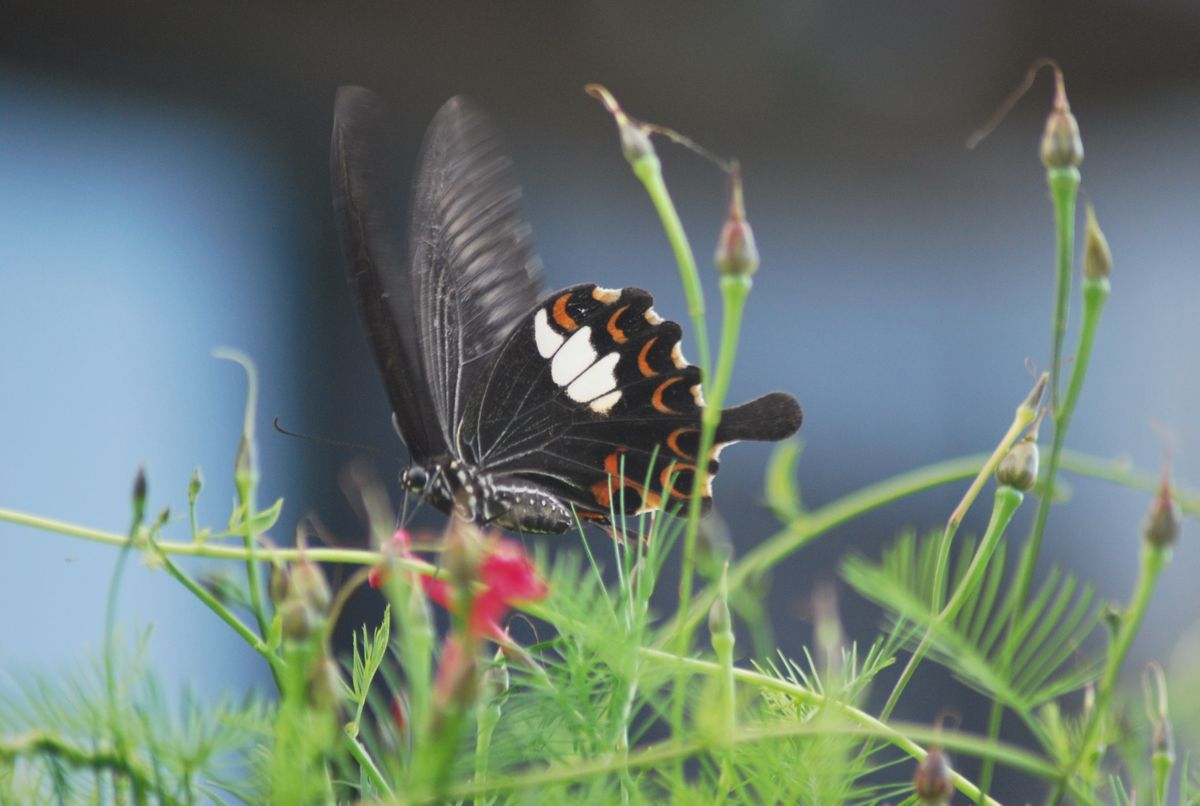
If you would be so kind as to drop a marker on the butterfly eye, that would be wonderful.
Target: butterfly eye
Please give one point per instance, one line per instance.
(415, 478)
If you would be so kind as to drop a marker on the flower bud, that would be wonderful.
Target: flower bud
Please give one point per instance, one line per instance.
(462, 553)
(1019, 467)
(496, 680)
(737, 252)
(1161, 529)
(325, 690)
(720, 622)
(245, 472)
(635, 137)
(307, 583)
(139, 496)
(1163, 740)
(1097, 259)
(1061, 144)
(195, 485)
(933, 782)
(278, 583)
(297, 620)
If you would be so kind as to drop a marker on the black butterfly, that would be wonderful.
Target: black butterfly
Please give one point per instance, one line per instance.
(514, 406)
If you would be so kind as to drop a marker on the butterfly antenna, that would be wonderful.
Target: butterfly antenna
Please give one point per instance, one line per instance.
(332, 443)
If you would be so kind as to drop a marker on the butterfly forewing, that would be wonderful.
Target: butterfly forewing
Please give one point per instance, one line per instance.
(475, 272)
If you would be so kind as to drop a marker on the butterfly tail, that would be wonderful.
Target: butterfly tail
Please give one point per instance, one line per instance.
(768, 418)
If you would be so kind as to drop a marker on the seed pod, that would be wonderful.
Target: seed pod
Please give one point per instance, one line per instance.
(933, 783)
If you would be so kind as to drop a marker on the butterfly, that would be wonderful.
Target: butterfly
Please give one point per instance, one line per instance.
(518, 408)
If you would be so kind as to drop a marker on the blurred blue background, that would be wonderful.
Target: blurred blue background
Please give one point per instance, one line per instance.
(164, 190)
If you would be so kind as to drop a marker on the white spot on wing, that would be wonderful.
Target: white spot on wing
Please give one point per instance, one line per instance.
(573, 358)
(652, 317)
(598, 380)
(606, 295)
(547, 340)
(677, 357)
(603, 405)
(698, 395)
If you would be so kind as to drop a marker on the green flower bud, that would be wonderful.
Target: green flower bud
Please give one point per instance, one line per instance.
(1019, 467)
(307, 583)
(635, 137)
(737, 252)
(325, 689)
(462, 552)
(720, 622)
(279, 583)
(1097, 259)
(1061, 144)
(245, 471)
(195, 485)
(933, 783)
(297, 620)
(139, 496)
(1161, 529)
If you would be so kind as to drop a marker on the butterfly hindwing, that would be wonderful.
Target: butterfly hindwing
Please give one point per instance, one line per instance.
(591, 397)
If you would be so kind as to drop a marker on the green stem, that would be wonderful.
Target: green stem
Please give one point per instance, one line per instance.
(648, 169)
(1154, 560)
(1064, 188)
(1024, 415)
(40, 744)
(1005, 505)
(367, 765)
(995, 719)
(1095, 294)
(224, 613)
(250, 541)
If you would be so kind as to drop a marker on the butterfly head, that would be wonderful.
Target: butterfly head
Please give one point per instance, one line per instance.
(415, 479)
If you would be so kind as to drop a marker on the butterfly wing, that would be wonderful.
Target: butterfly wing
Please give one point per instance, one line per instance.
(435, 313)
(475, 272)
(591, 398)
(377, 266)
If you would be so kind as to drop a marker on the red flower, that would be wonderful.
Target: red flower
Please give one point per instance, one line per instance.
(505, 572)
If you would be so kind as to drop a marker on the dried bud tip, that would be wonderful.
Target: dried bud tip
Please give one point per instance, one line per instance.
(635, 137)
(1161, 529)
(139, 495)
(1097, 259)
(1019, 467)
(1034, 399)
(737, 252)
(1061, 144)
(933, 782)
(1163, 741)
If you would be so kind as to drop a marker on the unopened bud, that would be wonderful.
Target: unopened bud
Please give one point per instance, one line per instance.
(1097, 259)
(496, 680)
(195, 485)
(308, 584)
(933, 782)
(737, 252)
(1033, 400)
(635, 137)
(245, 473)
(1163, 740)
(297, 620)
(325, 689)
(278, 583)
(462, 553)
(1061, 144)
(1019, 467)
(139, 496)
(1161, 529)
(720, 622)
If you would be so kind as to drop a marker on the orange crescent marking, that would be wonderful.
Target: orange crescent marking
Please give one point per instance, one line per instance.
(601, 493)
(561, 316)
(673, 442)
(657, 400)
(614, 331)
(668, 483)
(643, 365)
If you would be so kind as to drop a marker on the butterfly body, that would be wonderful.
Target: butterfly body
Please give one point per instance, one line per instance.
(518, 409)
